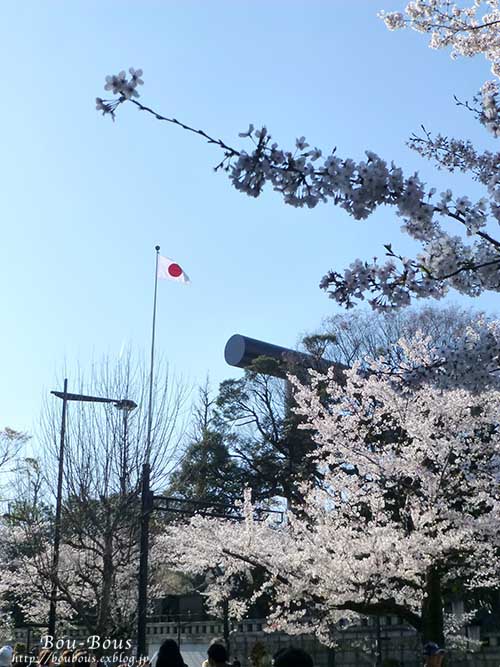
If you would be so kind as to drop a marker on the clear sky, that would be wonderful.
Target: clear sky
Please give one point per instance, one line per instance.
(83, 201)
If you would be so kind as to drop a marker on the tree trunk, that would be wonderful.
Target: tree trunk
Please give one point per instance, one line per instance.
(103, 621)
(432, 609)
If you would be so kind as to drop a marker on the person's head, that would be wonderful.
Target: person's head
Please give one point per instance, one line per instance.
(292, 657)
(217, 654)
(6, 653)
(433, 655)
(169, 655)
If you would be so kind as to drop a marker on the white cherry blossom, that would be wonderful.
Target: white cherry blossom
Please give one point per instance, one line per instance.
(469, 31)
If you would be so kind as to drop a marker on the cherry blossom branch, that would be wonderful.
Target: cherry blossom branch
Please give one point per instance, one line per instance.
(473, 267)
(363, 608)
(360, 188)
(451, 24)
(388, 607)
(231, 152)
(453, 154)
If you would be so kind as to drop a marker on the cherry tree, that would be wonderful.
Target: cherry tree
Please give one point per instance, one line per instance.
(11, 444)
(407, 512)
(25, 580)
(100, 520)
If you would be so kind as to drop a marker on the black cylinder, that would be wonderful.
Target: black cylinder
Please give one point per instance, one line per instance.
(241, 351)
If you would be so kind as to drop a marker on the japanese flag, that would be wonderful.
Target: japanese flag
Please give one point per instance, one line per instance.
(170, 270)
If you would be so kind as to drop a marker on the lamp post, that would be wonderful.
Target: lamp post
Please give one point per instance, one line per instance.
(121, 404)
(147, 499)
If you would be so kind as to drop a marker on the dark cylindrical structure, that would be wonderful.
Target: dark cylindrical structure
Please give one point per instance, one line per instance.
(241, 351)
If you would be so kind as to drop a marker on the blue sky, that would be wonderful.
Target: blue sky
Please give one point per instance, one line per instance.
(84, 201)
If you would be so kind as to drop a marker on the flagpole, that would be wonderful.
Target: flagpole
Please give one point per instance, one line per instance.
(146, 496)
(151, 368)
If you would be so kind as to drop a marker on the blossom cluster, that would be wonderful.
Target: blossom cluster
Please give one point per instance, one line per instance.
(489, 114)
(446, 261)
(471, 362)
(455, 154)
(469, 31)
(122, 85)
(456, 639)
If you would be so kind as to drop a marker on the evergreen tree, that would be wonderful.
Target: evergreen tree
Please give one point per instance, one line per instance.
(208, 471)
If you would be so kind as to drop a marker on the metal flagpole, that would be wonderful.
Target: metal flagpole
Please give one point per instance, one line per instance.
(146, 498)
(153, 332)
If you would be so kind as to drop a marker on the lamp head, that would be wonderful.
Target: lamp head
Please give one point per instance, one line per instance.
(125, 404)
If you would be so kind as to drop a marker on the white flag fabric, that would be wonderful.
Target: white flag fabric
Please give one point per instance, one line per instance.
(170, 270)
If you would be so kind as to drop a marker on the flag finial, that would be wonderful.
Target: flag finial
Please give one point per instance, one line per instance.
(157, 248)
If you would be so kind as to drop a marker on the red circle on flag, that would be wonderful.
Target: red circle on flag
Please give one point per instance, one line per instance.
(174, 270)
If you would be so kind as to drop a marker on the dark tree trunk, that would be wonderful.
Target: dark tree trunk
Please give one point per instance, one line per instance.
(103, 620)
(432, 609)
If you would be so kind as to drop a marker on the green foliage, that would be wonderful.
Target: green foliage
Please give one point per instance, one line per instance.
(265, 433)
(208, 471)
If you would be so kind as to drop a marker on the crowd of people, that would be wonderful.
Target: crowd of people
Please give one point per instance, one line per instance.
(168, 655)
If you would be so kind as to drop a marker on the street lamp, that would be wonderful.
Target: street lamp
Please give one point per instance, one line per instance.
(121, 404)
